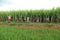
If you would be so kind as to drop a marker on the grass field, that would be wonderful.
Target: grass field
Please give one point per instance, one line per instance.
(20, 33)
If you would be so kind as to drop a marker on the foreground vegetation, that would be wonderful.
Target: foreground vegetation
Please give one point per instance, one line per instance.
(52, 15)
(17, 33)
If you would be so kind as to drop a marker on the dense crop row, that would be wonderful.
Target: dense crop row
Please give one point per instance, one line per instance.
(52, 15)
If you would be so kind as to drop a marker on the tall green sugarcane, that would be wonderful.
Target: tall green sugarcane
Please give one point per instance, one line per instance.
(52, 15)
(57, 12)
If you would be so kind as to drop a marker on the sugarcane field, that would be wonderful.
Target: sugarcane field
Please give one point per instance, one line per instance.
(29, 19)
(42, 16)
(30, 24)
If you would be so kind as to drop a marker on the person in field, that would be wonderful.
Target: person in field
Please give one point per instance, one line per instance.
(9, 19)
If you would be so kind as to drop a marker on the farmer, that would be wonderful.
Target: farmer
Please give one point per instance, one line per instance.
(9, 19)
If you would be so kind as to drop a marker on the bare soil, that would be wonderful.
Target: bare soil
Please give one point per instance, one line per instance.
(50, 26)
(39, 26)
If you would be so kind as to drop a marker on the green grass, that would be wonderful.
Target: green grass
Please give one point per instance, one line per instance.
(17, 33)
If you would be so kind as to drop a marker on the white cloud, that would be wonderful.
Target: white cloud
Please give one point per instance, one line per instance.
(31, 4)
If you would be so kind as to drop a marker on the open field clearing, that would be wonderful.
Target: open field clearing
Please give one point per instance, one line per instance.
(29, 31)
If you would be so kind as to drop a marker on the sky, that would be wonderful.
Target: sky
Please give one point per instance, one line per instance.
(28, 4)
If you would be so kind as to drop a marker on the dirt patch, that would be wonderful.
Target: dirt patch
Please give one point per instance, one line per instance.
(39, 26)
(56, 27)
(50, 26)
